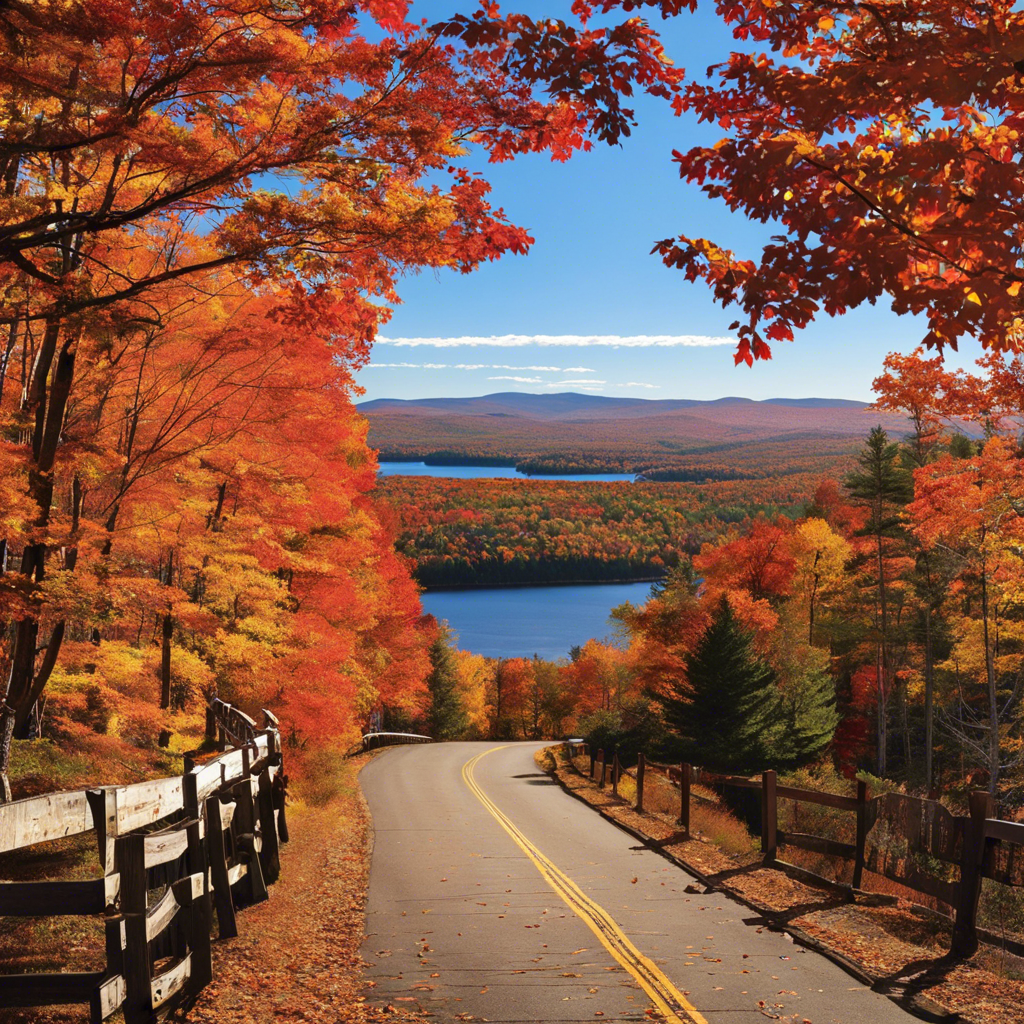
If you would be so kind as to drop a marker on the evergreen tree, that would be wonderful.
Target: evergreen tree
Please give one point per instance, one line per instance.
(811, 718)
(882, 486)
(729, 711)
(447, 718)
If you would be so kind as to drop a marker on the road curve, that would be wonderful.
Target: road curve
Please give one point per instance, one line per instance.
(496, 896)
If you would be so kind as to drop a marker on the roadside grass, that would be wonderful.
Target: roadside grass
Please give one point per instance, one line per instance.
(709, 819)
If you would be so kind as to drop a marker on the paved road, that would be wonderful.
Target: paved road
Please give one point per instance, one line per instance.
(496, 896)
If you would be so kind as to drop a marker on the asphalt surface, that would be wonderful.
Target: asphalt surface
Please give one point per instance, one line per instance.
(496, 896)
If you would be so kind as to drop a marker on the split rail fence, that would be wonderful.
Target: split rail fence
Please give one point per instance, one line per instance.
(917, 843)
(171, 853)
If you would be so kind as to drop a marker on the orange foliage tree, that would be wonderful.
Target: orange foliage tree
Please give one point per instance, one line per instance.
(884, 140)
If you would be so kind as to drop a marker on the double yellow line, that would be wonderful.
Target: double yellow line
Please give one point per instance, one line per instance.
(670, 1002)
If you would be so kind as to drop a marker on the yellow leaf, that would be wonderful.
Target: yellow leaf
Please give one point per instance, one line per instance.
(826, 22)
(973, 297)
(1014, 290)
(788, 195)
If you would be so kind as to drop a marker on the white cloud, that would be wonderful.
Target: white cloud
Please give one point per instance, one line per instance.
(520, 380)
(572, 383)
(535, 369)
(480, 366)
(408, 366)
(637, 384)
(572, 340)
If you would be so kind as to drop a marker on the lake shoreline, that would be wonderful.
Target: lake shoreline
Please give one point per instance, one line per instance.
(448, 588)
(475, 471)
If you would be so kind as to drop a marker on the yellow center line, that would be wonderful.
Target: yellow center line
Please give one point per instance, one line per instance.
(670, 1002)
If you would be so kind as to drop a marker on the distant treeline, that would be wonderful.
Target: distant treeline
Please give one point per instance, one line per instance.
(446, 458)
(441, 571)
(697, 475)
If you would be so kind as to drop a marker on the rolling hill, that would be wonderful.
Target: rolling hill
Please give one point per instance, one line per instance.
(685, 439)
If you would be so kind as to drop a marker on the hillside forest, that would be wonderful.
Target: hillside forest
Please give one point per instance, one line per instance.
(204, 211)
(878, 620)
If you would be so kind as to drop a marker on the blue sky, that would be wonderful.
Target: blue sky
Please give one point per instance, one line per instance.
(590, 276)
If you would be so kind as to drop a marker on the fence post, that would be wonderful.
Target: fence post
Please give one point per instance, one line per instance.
(227, 926)
(862, 833)
(641, 767)
(769, 816)
(246, 834)
(201, 910)
(684, 796)
(280, 792)
(138, 972)
(615, 774)
(600, 781)
(965, 935)
(268, 828)
(593, 762)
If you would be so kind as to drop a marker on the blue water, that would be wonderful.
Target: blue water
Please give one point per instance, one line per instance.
(514, 622)
(490, 473)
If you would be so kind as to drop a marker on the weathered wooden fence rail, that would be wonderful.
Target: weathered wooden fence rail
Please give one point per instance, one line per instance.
(911, 835)
(171, 852)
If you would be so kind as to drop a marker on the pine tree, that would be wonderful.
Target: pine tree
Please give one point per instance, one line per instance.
(811, 718)
(882, 486)
(729, 711)
(447, 718)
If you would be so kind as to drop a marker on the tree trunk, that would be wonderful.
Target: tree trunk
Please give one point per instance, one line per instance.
(165, 647)
(929, 725)
(6, 735)
(882, 659)
(47, 402)
(993, 706)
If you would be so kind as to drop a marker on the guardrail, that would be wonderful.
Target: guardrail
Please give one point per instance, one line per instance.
(372, 740)
(978, 845)
(170, 851)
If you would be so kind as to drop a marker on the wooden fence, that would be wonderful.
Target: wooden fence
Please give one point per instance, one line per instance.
(171, 852)
(915, 842)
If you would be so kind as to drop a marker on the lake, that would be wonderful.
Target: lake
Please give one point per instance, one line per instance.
(491, 473)
(513, 622)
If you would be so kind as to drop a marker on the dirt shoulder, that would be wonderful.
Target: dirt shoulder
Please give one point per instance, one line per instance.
(296, 957)
(898, 948)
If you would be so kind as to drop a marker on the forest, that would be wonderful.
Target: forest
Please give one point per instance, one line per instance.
(204, 212)
(494, 532)
(883, 624)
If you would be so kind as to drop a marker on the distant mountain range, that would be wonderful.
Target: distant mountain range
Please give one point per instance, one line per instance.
(784, 415)
(673, 439)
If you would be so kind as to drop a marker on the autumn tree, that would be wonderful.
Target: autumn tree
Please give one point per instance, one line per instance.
(821, 557)
(883, 140)
(929, 395)
(972, 508)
